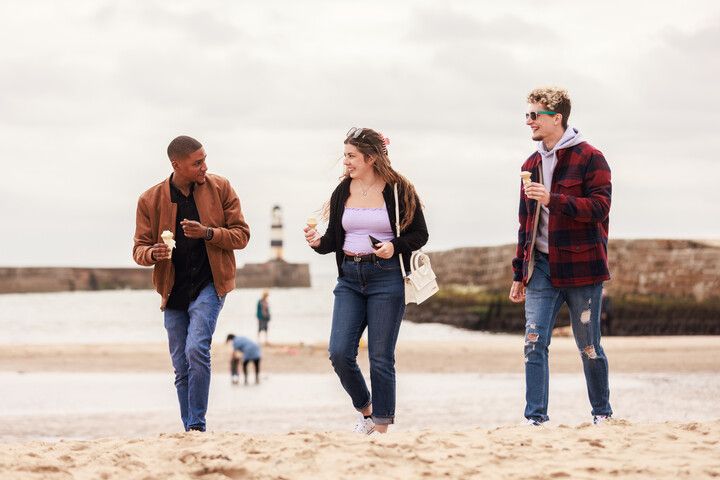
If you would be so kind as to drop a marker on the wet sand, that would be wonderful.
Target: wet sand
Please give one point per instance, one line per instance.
(490, 353)
(459, 404)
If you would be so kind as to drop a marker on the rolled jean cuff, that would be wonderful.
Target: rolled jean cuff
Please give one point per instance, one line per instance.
(383, 420)
(367, 404)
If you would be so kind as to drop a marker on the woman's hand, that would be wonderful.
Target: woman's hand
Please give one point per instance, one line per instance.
(312, 237)
(386, 250)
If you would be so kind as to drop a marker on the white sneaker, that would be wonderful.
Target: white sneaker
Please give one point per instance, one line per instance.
(600, 419)
(531, 422)
(364, 425)
(235, 379)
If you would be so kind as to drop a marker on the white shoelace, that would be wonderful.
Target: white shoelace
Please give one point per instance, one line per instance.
(364, 425)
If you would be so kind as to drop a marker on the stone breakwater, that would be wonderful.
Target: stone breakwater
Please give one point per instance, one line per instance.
(658, 287)
(275, 273)
(686, 269)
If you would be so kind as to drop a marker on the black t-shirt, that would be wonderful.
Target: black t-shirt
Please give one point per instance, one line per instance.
(192, 268)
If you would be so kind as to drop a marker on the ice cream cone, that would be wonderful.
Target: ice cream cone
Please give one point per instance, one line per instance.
(526, 178)
(167, 238)
(312, 222)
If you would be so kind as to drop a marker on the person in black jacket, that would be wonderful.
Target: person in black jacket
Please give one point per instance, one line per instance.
(370, 289)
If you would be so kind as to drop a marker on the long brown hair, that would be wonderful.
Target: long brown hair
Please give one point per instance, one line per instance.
(372, 145)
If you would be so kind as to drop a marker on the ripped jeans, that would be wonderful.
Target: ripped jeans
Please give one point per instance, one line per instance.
(542, 304)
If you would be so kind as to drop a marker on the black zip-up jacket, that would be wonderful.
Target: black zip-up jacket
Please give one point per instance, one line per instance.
(412, 238)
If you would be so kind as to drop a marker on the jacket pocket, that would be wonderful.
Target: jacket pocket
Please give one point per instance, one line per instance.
(578, 248)
(570, 186)
(578, 254)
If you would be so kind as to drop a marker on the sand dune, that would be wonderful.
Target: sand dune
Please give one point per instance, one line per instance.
(614, 450)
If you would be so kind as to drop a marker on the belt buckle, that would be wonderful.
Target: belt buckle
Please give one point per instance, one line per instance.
(357, 258)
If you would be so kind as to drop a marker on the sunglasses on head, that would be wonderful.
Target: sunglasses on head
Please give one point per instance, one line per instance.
(355, 133)
(533, 115)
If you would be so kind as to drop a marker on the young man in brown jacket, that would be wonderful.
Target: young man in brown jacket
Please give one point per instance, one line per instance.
(203, 212)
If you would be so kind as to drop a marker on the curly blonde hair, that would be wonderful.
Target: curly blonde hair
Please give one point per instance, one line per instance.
(554, 98)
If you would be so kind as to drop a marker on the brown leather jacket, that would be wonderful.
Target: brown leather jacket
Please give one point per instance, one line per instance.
(219, 208)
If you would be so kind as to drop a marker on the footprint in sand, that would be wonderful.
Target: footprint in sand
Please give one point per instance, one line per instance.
(448, 444)
(559, 475)
(592, 442)
(305, 454)
(236, 473)
(45, 469)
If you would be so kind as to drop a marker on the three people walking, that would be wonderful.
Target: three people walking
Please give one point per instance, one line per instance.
(561, 258)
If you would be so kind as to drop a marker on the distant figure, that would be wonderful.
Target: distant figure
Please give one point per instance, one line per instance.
(606, 314)
(250, 352)
(561, 255)
(263, 315)
(194, 277)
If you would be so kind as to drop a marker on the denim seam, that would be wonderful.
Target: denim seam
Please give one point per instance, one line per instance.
(369, 402)
(383, 419)
(393, 268)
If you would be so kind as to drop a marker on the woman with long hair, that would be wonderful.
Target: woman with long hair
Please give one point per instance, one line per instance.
(370, 287)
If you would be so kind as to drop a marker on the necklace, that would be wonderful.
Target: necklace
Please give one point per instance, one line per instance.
(365, 191)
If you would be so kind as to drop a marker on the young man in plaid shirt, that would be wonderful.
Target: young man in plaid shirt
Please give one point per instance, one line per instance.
(562, 249)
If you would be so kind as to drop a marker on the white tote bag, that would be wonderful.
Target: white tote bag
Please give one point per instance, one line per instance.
(421, 283)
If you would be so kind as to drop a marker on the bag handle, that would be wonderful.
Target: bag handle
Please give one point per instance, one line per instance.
(418, 260)
(397, 227)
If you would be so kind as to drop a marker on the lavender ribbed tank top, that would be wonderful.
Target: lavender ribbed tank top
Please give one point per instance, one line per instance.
(358, 223)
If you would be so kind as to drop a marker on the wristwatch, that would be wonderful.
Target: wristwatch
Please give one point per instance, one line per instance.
(209, 233)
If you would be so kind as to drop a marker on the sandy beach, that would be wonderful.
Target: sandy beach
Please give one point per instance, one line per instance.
(460, 407)
(615, 450)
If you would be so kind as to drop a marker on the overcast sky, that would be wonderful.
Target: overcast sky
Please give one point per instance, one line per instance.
(91, 93)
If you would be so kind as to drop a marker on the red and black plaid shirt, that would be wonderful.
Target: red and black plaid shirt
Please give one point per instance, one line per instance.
(578, 221)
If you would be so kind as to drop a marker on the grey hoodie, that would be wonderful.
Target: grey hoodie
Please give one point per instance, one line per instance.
(570, 138)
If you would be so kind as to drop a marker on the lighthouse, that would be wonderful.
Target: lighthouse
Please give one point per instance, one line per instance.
(276, 242)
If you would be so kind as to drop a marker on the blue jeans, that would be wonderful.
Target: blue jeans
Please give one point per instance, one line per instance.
(189, 336)
(372, 295)
(542, 303)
